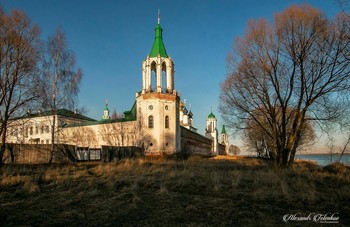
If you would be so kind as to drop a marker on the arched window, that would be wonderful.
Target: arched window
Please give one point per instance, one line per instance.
(150, 122)
(166, 123)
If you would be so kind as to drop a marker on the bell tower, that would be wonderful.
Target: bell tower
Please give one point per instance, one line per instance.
(106, 112)
(158, 68)
(158, 101)
(212, 132)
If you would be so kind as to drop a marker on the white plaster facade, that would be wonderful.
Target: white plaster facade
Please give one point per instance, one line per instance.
(36, 128)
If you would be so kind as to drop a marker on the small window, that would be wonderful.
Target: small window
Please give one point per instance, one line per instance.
(150, 122)
(47, 129)
(31, 130)
(42, 129)
(166, 122)
(36, 130)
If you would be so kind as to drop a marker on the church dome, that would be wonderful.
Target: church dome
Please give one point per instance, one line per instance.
(190, 114)
(184, 110)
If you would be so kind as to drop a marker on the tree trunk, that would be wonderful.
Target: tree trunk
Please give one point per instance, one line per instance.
(52, 150)
(3, 142)
(344, 149)
(2, 151)
(10, 149)
(285, 156)
(291, 158)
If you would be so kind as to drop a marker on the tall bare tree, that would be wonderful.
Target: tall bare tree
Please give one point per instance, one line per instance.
(19, 54)
(60, 79)
(258, 141)
(300, 61)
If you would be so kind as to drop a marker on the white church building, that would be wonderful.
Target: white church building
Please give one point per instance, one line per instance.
(158, 121)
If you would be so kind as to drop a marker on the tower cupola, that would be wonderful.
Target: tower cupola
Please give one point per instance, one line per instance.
(158, 68)
(158, 48)
(106, 112)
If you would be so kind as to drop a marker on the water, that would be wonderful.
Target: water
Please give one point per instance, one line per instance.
(325, 159)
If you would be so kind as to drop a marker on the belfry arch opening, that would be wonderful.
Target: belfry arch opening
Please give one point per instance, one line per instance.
(153, 78)
(164, 78)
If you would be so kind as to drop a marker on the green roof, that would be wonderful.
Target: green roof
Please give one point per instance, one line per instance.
(131, 114)
(158, 45)
(128, 116)
(61, 112)
(211, 115)
(106, 107)
(223, 131)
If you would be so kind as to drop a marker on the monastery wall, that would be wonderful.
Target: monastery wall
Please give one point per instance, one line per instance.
(97, 135)
(194, 143)
(37, 153)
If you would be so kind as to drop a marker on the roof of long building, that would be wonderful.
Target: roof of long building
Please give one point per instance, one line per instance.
(60, 112)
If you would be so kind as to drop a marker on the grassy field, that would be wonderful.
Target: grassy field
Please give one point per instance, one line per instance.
(195, 192)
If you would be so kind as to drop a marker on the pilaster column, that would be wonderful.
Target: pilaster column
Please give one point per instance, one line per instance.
(148, 77)
(159, 78)
(169, 78)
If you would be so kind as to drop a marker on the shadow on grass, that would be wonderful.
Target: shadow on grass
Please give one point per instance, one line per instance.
(170, 191)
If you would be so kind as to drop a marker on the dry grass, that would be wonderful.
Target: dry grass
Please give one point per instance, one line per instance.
(217, 191)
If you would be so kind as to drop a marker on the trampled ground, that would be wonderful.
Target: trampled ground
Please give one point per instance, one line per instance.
(209, 192)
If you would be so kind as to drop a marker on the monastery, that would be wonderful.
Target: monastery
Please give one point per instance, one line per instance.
(158, 122)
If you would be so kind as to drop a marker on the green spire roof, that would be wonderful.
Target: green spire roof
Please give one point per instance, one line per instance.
(223, 131)
(211, 115)
(158, 45)
(106, 106)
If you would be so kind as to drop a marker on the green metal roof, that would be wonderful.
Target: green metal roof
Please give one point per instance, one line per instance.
(223, 131)
(158, 45)
(211, 115)
(128, 116)
(61, 112)
(131, 114)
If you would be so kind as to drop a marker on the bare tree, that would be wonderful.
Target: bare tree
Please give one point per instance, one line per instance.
(19, 54)
(60, 78)
(234, 150)
(80, 136)
(343, 4)
(300, 61)
(259, 141)
(115, 115)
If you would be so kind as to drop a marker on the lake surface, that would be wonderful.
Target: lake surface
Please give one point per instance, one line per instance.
(325, 159)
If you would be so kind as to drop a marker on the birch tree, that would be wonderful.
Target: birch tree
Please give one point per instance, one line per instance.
(60, 79)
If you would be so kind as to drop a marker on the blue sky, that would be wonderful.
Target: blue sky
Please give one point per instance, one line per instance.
(112, 38)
